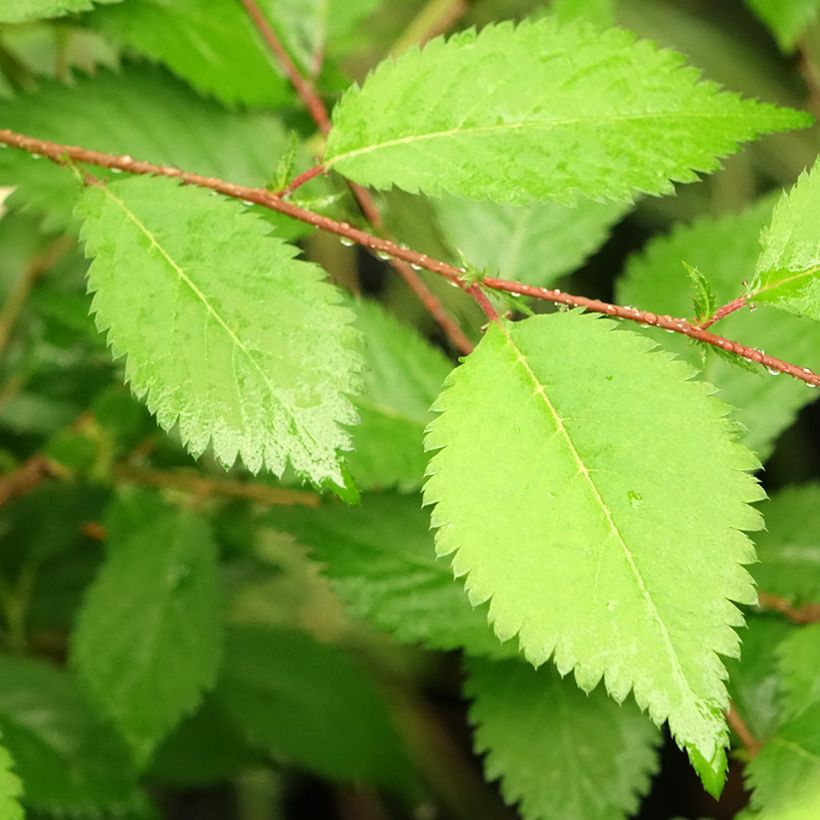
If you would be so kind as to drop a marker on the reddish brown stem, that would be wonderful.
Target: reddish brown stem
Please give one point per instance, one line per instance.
(312, 101)
(806, 614)
(484, 303)
(739, 727)
(302, 179)
(26, 477)
(63, 154)
(722, 312)
(317, 110)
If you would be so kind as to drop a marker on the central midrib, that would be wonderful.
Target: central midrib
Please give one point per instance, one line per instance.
(630, 559)
(597, 119)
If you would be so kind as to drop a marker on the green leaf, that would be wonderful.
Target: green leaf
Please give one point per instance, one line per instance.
(557, 751)
(725, 250)
(148, 640)
(787, 19)
(755, 682)
(213, 46)
(536, 245)
(789, 547)
(178, 279)
(788, 763)
(704, 299)
(533, 112)
(142, 112)
(69, 762)
(11, 789)
(788, 270)
(382, 563)
(310, 705)
(23, 11)
(799, 657)
(599, 538)
(403, 375)
(599, 12)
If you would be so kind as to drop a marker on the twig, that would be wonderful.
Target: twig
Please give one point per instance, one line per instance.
(806, 614)
(433, 19)
(725, 310)
(313, 102)
(739, 727)
(316, 107)
(301, 179)
(62, 154)
(16, 300)
(198, 485)
(26, 477)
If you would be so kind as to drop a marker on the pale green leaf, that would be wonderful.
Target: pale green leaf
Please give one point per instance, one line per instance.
(142, 112)
(799, 657)
(213, 46)
(403, 375)
(23, 11)
(703, 300)
(178, 280)
(68, 761)
(11, 789)
(538, 111)
(537, 244)
(599, 12)
(755, 683)
(789, 547)
(787, 19)
(559, 752)
(572, 492)
(310, 705)
(788, 763)
(382, 563)
(788, 270)
(724, 250)
(148, 640)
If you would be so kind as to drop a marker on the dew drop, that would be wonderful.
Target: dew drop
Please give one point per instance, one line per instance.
(772, 372)
(247, 202)
(115, 170)
(346, 241)
(383, 255)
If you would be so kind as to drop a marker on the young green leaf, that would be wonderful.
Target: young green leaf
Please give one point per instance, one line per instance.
(536, 111)
(403, 375)
(69, 762)
(799, 661)
(725, 250)
(217, 320)
(213, 46)
(143, 112)
(788, 270)
(703, 300)
(787, 764)
(148, 640)
(598, 538)
(382, 563)
(11, 789)
(787, 19)
(536, 245)
(311, 705)
(23, 11)
(557, 751)
(789, 547)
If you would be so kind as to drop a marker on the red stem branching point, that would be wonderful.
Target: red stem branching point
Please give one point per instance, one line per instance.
(725, 310)
(66, 154)
(318, 111)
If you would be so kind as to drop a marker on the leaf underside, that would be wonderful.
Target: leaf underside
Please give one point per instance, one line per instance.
(558, 491)
(217, 321)
(557, 751)
(537, 111)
